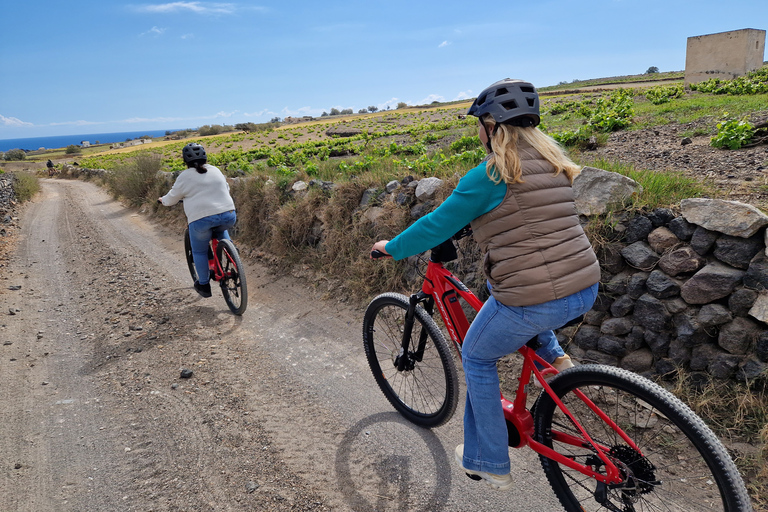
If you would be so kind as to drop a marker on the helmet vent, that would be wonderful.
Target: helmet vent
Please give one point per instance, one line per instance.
(531, 101)
(527, 89)
(501, 90)
(509, 105)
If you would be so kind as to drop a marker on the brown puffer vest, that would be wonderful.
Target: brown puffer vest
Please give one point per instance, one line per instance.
(535, 249)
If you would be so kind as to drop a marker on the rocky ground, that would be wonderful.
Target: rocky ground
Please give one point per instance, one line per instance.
(739, 175)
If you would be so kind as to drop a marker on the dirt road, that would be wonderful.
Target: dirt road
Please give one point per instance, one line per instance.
(97, 320)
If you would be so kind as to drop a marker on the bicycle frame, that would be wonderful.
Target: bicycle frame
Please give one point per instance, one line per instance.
(218, 272)
(442, 288)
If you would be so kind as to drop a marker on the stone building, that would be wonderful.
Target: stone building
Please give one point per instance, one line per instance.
(724, 55)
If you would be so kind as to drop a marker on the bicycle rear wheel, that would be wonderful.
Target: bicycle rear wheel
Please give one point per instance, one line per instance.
(188, 254)
(681, 465)
(426, 391)
(233, 285)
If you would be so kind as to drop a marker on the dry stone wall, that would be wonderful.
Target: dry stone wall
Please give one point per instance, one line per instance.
(683, 291)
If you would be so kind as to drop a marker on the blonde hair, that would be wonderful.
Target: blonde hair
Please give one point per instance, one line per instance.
(504, 163)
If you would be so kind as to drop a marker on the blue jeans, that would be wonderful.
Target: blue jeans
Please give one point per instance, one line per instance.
(499, 330)
(200, 233)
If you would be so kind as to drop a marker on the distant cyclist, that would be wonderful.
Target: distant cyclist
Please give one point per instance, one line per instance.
(208, 205)
(541, 269)
(51, 169)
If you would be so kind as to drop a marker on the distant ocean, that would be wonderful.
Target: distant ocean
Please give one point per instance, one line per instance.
(62, 141)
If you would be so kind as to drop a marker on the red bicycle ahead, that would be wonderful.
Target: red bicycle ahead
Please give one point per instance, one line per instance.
(607, 439)
(225, 268)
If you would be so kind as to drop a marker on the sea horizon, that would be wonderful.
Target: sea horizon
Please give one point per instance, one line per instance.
(62, 141)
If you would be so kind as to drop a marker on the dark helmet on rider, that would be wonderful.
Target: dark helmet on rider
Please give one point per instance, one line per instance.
(192, 152)
(509, 101)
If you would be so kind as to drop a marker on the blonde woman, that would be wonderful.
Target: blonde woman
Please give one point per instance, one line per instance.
(540, 266)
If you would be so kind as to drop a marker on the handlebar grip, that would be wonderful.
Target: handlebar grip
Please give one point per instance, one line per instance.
(377, 255)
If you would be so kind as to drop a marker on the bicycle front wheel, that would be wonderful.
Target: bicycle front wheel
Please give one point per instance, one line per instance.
(679, 464)
(426, 390)
(233, 285)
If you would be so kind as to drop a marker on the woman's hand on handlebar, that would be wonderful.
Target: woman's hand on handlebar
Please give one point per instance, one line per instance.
(379, 250)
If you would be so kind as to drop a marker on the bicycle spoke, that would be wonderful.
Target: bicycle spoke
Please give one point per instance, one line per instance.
(669, 473)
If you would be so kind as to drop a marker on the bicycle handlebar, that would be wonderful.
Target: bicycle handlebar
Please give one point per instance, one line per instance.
(377, 255)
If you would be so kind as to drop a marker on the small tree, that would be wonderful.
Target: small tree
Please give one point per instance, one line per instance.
(335, 111)
(362, 111)
(275, 120)
(324, 114)
(402, 104)
(372, 109)
(15, 154)
(346, 111)
(651, 70)
(73, 149)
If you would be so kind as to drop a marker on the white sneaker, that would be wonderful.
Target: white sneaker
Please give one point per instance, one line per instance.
(501, 482)
(559, 364)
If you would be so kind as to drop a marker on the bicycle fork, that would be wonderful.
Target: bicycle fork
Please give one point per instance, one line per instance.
(405, 360)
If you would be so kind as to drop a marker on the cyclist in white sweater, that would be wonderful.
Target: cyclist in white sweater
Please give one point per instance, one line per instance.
(208, 205)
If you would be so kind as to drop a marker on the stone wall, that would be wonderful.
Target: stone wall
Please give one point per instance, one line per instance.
(725, 55)
(684, 291)
(7, 203)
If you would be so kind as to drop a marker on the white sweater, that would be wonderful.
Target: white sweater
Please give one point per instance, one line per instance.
(203, 194)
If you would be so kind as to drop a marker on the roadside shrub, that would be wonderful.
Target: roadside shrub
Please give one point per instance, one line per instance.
(134, 179)
(72, 149)
(25, 186)
(754, 82)
(732, 134)
(613, 113)
(664, 93)
(14, 154)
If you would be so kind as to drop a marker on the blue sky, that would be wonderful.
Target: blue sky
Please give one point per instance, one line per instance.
(106, 66)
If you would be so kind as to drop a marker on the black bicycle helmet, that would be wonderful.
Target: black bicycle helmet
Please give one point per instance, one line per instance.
(192, 152)
(509, 101)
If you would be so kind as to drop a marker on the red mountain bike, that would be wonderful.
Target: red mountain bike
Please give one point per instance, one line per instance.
(607, 439)
(226, 268)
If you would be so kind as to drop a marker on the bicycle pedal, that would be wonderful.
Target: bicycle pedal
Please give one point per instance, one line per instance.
(474, 477)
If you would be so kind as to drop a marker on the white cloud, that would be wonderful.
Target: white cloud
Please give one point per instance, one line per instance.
(13, 121)
(464, 95)
(258, 113)
(389, 103)
(154, 31)
(187, 36)
(443, 44)
(195, 7)
(432, 97)
(80, 122)
(226, 114)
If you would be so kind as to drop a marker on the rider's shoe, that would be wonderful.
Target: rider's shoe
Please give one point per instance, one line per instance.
(501, 482)
(559, 364)
(203, 289)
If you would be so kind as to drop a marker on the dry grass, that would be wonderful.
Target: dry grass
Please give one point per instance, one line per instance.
(738, 413)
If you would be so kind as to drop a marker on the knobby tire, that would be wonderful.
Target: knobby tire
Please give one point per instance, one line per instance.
(683, 466)
(233, 285)
(426, 392)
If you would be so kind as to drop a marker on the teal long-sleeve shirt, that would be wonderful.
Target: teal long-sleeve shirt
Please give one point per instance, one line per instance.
(474, 196)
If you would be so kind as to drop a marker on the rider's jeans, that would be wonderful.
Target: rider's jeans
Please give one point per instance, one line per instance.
(499, 330)
(200, 234)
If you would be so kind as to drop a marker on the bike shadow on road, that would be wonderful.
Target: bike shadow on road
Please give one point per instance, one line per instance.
(384, 462)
